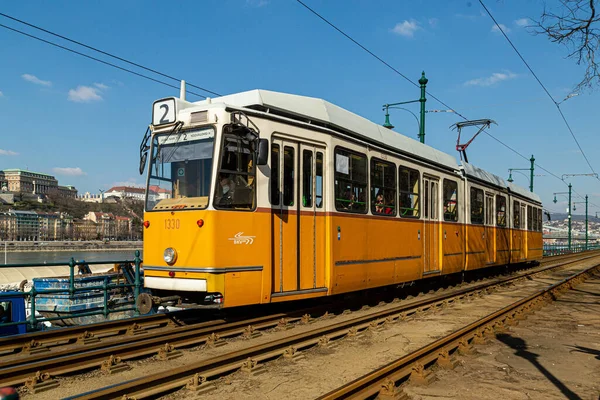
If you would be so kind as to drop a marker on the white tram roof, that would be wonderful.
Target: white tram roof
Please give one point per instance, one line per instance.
(324, 112)
(485, 176)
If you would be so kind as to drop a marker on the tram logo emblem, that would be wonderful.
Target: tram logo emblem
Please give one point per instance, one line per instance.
(239, 238)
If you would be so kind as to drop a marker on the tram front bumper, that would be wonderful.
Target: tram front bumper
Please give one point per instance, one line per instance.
(175, 284)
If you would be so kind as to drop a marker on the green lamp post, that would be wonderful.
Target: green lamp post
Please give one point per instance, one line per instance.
(586, 218)
(530, 169)
(386, 107)
(569, 212)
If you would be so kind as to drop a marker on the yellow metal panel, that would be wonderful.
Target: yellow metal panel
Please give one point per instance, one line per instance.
(475, 247)
(452, 248)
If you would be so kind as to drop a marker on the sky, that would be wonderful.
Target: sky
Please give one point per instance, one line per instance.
(83, 121)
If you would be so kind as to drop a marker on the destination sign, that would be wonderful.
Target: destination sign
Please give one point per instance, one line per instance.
(188, 136)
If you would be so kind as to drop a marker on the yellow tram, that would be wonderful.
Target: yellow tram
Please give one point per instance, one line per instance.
(262, 197)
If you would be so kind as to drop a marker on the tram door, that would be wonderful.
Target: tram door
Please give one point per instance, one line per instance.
(312, 218)
(490, 237)
(431, 226)
(296, 194)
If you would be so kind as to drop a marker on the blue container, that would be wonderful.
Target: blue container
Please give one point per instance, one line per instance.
(83, 301)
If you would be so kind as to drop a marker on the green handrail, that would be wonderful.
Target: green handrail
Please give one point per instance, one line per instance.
(106, 287)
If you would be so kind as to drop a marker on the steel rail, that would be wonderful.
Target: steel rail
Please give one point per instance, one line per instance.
(385, 379)
(36, 342)
(186, 336)
(26, 369)
(43, 340)
(196, 375)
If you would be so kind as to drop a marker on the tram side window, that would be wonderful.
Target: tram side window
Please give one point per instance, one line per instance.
(540, 220)
(275, 174)
(307, 178)
(236, 178)
(409, 189)
(288, 175)
(530, 218)
(476, 206)
(516, 215)
(383, 187)
(500, 211)
(319, 181)
(350, 181)
(450, 200)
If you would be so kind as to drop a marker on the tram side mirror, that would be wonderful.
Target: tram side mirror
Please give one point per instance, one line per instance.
(548, 215)
(143, 158)
(263, 152)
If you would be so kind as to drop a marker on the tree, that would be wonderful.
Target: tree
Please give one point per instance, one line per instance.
(575, 28)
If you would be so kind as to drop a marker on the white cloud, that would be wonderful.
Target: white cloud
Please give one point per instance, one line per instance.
(36, 80)
(406, 28)
(101, 86)
(433, 22)
(8, 153)
(504, 28)
(68, 171)
(492, 79)
(1, 94)
(84, 94)
(257, 3)
(522, 22)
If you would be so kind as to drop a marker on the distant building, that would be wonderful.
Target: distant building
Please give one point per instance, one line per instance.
(68, 191)
(90, 198)
(126, 192)
(158, 193)
(22, 181)
(106, 226)
(85, 230)
(8, 226)
(27, 225)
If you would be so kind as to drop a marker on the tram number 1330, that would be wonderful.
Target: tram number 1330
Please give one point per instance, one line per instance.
(171, 223)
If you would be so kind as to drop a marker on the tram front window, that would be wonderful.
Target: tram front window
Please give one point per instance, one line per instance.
(180, 170)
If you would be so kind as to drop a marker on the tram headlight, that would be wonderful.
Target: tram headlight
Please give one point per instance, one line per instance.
(170, 255)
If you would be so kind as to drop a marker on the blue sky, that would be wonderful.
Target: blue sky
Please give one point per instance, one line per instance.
(83, 121)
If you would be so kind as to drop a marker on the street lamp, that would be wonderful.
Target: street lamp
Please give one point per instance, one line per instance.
(423, 83)
(387, 117)
(586, 218)
(569, 211)
(531, 169)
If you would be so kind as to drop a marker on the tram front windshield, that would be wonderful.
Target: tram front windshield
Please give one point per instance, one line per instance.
(180, 170)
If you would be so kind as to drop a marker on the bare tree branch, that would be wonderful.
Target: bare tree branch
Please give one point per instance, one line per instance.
(575, 28)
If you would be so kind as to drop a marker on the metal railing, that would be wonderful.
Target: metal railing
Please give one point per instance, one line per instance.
(135, 284)
(555, 249)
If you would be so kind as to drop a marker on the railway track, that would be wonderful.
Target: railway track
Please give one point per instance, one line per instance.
(385, 381)
(197, 376)
(39, 342)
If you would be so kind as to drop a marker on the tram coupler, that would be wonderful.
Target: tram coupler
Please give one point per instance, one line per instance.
(145, 302)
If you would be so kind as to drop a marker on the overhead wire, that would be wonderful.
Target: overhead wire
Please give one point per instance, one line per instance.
(557, 104)
(414, 84)
(104, 52)
(96, 59)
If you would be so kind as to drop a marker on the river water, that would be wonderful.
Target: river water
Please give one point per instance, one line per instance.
(64, 256)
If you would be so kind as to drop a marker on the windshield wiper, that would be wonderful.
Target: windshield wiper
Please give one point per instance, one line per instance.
(175, 129)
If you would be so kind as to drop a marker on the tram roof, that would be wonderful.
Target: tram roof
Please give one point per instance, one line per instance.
(483, 175)
(322, 111)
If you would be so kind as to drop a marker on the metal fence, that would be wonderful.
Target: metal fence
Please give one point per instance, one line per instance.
(129, 270)
(556, 249)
